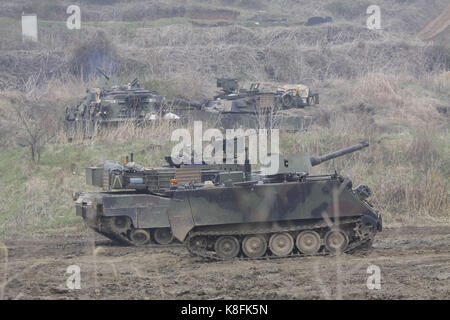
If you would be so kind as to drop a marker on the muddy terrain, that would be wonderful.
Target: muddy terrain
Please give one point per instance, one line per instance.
(414, 264)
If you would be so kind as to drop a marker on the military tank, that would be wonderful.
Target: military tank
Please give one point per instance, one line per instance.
(261, 105)
(105, 106)
(132, 206)
(290, 213)
(109, 106)
(286, 96)
(216, 209)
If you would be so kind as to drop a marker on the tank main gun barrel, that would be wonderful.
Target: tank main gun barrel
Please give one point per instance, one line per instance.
(102, 73)
(184, 103)
(318, 160)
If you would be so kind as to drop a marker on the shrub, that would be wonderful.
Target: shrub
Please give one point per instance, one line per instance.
(96, 52)
(437, 57)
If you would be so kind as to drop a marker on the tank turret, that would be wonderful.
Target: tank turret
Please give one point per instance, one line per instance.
(303, 162)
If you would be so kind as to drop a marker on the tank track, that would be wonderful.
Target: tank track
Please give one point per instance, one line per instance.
(212, 256)
(106, 231)
(116, 237)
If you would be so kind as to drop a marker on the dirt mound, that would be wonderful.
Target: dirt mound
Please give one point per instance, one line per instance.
(435, 27)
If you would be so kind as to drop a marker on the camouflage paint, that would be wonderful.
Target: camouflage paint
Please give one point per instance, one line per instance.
(261, 203)
(145, 210)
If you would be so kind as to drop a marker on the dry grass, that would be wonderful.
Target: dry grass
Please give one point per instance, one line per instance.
(410, 184)
(384, 87)
(406, 166)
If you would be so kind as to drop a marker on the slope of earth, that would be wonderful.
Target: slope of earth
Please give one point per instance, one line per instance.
(436, 26)
(414, 264)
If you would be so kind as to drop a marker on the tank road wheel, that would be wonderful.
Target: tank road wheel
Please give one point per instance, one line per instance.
(198, 243)
(308, 242)
(121, 224)
(281, 244)
(116, 225)
(140, 237)
(254, 246)
(336, 241)
(227, 247)
(163, 236)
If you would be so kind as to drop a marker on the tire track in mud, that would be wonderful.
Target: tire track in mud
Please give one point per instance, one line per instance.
(436, 26)
(414, 263)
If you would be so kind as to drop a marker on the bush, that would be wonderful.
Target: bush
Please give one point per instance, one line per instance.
(96, 52)
(349, 10)
(437, 57)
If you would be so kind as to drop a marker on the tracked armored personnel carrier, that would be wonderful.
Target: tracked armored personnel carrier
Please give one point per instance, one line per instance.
(284, 214)
(225, 210)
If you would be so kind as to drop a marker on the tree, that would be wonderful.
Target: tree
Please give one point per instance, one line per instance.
(31, 122)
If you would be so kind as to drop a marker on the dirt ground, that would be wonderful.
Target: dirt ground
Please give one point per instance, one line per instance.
(414, 263)
(436, 26)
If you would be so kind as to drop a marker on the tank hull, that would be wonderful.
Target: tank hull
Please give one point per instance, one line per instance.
(133, 211)
(318, 204)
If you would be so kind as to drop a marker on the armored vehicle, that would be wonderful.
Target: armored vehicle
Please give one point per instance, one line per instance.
(219, 209)
(285, 96)
(110, 106)
(132, 206)
(284, 214)
(261, 105)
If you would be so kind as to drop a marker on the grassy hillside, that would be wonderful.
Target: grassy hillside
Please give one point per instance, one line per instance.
(407, 165)
(189, 52)
(385, 86)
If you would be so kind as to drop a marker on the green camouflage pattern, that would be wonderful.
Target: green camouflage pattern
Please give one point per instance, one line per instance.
(187, 198)
(311, 199)
(111, 105)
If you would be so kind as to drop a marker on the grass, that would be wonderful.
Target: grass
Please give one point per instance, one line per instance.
(36, 198)
(406, 166)
(383, 87)
(407, 170)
